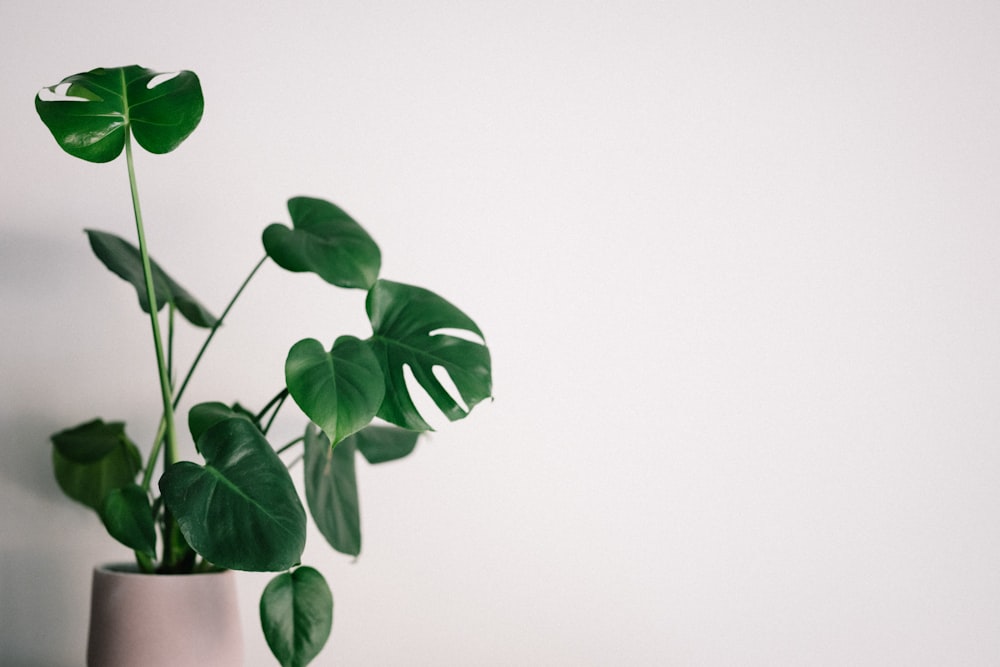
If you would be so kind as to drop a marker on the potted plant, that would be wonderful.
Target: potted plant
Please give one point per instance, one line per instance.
(238, 508)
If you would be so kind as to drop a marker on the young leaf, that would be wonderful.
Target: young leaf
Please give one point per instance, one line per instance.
(296, 613)
(339, 390)
(332, 490)
(325, 241)
(406, 322)
(379, 444)
(205, 415)
(240, 510)
(89, 113)
(123, 259)
(93, 459)
(127, 515)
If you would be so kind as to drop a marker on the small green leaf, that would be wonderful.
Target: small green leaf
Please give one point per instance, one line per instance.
(326, 241)
(89, 113)
(379, 444)
(340, 390)
(407, 323)
(240, 510)
(91, 441)
(127, 515)
(332, 490)
(123, 259)
(205, 415)
(296, 613)
(82, 474)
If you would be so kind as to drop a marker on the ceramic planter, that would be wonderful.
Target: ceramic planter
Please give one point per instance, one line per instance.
(159, 620)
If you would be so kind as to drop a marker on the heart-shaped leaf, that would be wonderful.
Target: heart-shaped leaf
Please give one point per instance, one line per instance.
(340, 390)
(123, 259)
(326, 241)
(379, 444)
(296, 613)
(240, 510)
(93, 459)
(127, 515)
(205, 415)
(407, 322)
(332, 490)
(89, 113)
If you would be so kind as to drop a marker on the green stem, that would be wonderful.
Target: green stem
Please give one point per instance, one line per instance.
(215, 327)
(291, 444)
(170, 452)
(278, 401)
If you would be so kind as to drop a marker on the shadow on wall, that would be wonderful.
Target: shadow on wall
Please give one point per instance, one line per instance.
(48, 544)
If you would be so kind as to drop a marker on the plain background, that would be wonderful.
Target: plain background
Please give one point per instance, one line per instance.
(737, 264)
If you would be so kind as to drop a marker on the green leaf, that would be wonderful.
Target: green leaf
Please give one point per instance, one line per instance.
(340, 390)
(91, 441)
(407, 323)
(296, 613)
(326, 241)
(89, 113)
(123, 259)
(332, 490)
(127, 515)
(379, 444)
(205, 415)
(240, 510)
(93, 459)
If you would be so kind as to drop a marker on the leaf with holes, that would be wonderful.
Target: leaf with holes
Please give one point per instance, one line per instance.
(407, 324)
(240, 510)
(89, 113)
(326, 241)
(296, 614)
(123, 259)
(340, 390)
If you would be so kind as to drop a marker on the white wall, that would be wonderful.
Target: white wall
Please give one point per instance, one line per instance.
(736, 262)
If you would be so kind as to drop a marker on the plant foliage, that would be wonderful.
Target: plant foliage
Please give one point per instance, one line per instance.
(238, 507)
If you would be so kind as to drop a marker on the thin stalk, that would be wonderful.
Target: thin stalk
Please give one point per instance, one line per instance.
(215, 327)
(276, 403)
(170, 451)
(291, 444)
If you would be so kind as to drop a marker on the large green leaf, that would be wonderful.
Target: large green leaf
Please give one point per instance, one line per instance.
(240, 510)
(89, 113)
(379, 444)
(128, 516)
(326, 241)
(332, 490)
(93, 459)
(296, 613)
(340, 390)
(123, 259)
(407, 322)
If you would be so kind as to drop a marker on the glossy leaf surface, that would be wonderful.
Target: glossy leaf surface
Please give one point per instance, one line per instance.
(240, 510)
(340, 390)
(205, 415)
(407, 323)
(326, 241)
(332, 490)
(89, 113)
(127, 515)
(93, 459)
(296, 614)
(123, 259)
(379, 444)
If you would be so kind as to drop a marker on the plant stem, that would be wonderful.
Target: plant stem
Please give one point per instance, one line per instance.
(215, 327)
(276, 403)
(170, 452)
(291, 444)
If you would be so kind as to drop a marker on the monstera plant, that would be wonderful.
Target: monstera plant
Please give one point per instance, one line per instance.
(237, 507)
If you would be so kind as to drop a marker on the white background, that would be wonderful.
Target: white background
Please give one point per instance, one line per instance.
(736, 263)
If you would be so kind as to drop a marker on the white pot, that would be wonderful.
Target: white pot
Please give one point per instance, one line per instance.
(150, 620)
